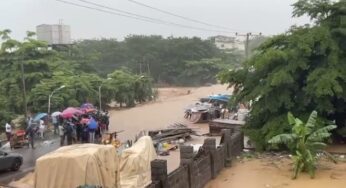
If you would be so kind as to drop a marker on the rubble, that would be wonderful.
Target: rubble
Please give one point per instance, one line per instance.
(176, 132)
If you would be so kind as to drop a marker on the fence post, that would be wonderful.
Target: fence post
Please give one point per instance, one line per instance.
(159, 172)
(210, 146)
(226, 140)
(186, 158)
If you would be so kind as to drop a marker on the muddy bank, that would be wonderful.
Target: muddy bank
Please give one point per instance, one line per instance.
(276, 172)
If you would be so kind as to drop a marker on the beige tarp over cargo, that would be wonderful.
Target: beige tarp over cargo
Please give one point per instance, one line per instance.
(72, 166)
(135, 164)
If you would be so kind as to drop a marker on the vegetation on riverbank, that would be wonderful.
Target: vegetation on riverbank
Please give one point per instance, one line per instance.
(298, 71)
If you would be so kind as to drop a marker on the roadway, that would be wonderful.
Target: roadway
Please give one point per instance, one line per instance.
(29, 159)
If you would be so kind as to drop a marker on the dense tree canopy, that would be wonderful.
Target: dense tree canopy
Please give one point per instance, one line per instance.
(132, 67)
(47, 69)
(165, 59)
(299, 71)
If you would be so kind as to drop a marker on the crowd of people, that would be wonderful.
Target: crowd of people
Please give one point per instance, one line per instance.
(81, 128)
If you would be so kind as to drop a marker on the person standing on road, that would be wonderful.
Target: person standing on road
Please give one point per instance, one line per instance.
(55, 124)
(92, 126)
(61, 134)
(30, 131)
(8, 131)
(106, 120)
(68, 131)
(42, 128)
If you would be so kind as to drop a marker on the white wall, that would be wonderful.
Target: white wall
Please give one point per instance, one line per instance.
(54, 34)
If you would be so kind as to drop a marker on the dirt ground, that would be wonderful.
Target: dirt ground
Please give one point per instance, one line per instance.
(269, 172)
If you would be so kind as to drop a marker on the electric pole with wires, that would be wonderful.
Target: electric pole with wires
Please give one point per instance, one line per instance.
(247, 41)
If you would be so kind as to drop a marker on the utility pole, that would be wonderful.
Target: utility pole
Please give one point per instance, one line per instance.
(247, 40)
(24, 90)
(140, 68)
(148, 66)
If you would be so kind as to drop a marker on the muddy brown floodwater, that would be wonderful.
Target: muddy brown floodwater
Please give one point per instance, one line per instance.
(168, 109)
(276, 173)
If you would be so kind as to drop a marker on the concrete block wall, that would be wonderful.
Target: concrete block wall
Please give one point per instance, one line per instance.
(203, 168)
(179, 178)
(196, 170)
(219, 160)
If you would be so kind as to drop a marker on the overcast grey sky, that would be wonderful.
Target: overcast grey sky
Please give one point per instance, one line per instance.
(266, 16)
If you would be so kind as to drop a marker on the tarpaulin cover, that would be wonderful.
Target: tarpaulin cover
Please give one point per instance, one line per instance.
(223, 98)
(135, 170)
(26, 182)
(72, 166)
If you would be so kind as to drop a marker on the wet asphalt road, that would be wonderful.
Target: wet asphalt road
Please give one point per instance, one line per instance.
(29, 159)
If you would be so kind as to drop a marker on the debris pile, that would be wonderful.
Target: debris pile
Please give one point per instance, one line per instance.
(168, 139)
(172, 133)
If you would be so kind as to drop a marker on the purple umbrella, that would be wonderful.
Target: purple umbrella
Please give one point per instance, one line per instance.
(87, 106)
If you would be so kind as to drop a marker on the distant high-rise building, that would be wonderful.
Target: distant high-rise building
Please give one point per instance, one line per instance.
(56, 34)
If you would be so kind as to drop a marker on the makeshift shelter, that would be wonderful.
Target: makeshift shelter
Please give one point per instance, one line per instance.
(82, 164)
(135, 171)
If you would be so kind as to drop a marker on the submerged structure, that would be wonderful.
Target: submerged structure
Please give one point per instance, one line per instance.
(207, 108)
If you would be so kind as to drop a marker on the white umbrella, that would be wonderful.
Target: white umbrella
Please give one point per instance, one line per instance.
(56, 113)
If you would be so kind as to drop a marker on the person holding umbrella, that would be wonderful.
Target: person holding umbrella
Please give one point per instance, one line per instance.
(68, 131)
(61, 133)
(30, 131)
(55, 121)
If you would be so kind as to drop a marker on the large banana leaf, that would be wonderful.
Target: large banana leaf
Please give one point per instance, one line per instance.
(311, 123)
(291, 119)
(316, 145)
(321, 134)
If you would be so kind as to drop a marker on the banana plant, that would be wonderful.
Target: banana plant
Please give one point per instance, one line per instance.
(305, 140)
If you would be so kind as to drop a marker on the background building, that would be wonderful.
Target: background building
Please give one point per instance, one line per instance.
(56, 34)
(228, 43)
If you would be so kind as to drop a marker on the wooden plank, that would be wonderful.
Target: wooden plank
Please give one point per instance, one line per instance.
(171, 133)
(175, 137)
(228, 121)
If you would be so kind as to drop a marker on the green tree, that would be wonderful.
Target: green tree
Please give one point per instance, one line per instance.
(46, 69)
(33, 55)
(299, 71)
(201, 72)
(164, 59)
(129, 89)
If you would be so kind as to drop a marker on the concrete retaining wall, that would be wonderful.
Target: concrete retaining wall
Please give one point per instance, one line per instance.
(196, 170)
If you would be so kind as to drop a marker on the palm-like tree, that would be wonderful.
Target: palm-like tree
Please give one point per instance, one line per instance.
(306, 140)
